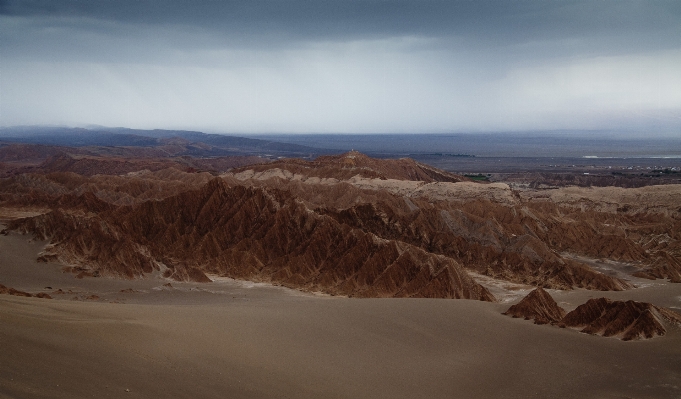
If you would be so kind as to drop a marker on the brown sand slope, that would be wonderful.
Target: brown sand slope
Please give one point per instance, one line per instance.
(300, 347)
(250, 340)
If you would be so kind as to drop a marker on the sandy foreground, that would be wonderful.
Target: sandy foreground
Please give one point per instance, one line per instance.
(231, 339)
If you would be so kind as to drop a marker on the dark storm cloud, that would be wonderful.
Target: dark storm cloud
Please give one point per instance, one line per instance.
(342, 65)
(624, 24)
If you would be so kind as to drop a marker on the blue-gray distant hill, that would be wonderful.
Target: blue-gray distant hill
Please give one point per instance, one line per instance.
(197, 144)
(579, 143)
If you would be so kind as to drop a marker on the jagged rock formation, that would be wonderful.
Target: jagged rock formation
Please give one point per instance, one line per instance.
(626, 320)
(248, 233)
(520, 236)
(539, 306)
(543, 238)
(493, 239)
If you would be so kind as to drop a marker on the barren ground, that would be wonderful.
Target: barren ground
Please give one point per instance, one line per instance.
(232, 339)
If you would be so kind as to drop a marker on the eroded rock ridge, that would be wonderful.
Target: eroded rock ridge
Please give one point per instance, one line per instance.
(349, 225)
(626, 320)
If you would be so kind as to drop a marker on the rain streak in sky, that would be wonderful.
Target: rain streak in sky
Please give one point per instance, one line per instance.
(354, 66)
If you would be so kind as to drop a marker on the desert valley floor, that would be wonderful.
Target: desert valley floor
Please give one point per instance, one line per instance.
(156, 272)
(239, 339)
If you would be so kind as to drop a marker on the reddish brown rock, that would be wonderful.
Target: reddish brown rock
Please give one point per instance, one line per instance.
(345, 166)
(15, 292)
(12, 291)
(628, 320)
(539, 306)
(249, 233)
(528, 240)
(492, 239)
(90, 165)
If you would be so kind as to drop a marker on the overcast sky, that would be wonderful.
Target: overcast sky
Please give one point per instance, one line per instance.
(342, 65)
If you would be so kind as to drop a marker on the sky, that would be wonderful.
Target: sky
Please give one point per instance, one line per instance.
(343, 66)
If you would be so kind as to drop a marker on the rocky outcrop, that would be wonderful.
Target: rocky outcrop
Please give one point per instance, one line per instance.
(507, 239)
(248, 233)
(549, 241)
(628, 320)
(665, 265)
(496, 240)
(15, 292)
(539, 306)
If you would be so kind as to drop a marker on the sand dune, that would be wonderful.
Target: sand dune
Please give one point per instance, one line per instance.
(316, 347)
(230, 339)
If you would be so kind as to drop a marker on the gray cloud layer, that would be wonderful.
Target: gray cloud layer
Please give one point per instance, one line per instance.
(342, 65)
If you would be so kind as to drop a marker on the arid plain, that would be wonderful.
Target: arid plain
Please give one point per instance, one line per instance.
(344, 276)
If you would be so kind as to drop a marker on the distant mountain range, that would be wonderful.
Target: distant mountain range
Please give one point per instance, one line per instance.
(196, 143)
(424, 147)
